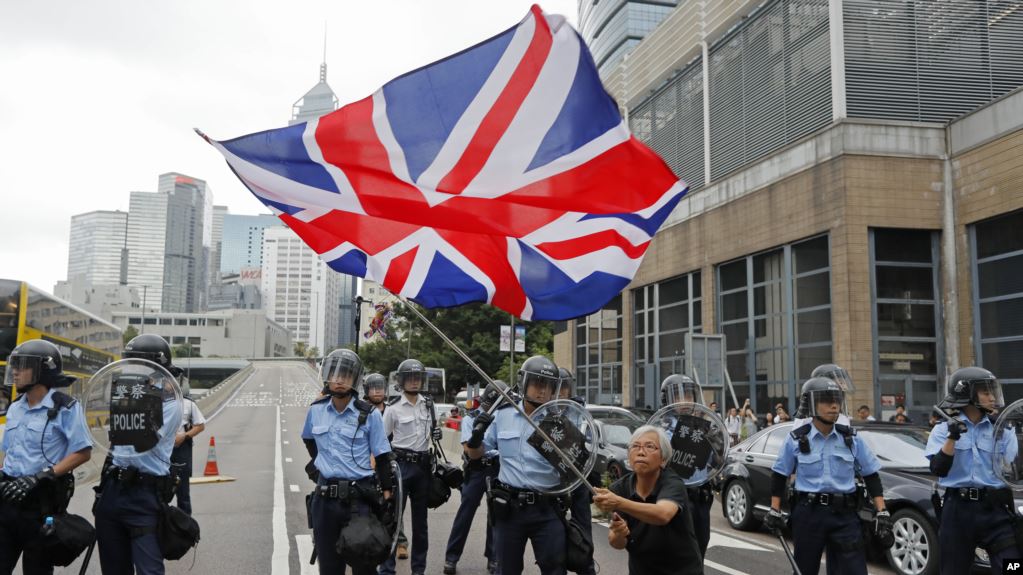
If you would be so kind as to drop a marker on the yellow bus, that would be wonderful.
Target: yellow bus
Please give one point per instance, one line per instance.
(86, 342)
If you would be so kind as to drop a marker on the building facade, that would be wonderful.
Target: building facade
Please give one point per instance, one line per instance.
(217, 244)
(319, 100)
(855, 177)
(147, 235)
(242, 241)
(299, 291)
(227, 333)
(188, 243)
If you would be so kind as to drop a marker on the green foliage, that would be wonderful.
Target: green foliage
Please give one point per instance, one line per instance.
(130, 334)
(475, 328)
(300, 349)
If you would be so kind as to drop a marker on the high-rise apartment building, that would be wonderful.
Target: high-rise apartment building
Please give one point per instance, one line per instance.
(242, 241)
(299, 291)
(95, 247)
(612, 28)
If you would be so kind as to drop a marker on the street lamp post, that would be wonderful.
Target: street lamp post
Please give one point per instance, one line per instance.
(358, 317)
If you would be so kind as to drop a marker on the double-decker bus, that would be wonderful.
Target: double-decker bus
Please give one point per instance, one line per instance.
(86, 342)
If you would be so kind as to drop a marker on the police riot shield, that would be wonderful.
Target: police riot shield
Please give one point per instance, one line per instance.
(1008, 436)
(698, 439)
(570, 427)
(130, 406)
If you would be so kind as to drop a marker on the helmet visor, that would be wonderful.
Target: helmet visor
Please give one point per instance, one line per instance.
(684, 392)
(987, 394)
(412, 379)
(540, 388)
(340, 370)
(840, 376)
(824, 402)
(22, 371)
(374, 384)
(153, 356)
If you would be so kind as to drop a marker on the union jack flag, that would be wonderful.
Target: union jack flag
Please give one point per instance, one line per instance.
(503, 173)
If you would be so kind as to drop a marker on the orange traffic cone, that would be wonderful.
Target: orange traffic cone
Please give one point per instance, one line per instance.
(211, 460)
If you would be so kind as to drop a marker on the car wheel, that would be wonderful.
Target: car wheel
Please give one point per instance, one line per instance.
(916, 542)
(738, 506)
(615, 471)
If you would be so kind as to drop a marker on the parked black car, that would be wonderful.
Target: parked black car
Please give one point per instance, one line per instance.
(908, 483)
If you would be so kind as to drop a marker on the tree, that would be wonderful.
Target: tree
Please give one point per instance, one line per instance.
(299, 349)
(313, 352)
(129, 334)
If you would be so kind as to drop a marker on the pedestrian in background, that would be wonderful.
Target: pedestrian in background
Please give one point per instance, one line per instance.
(733, 424)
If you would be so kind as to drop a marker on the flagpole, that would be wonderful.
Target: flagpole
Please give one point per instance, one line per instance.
(483, 374)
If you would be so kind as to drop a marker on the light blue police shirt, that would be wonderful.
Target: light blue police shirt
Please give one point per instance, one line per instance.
(466, 433)
(522, 466)
(28, 449)
(155, 461)
(973, 463)
(830, 467)
(343, 446)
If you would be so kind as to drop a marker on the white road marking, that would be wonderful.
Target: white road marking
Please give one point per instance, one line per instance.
(719, 540)
(230, 400)
(279, 559)
(286, 442)
(287, 460)
(284, 430)
(304, 543)
(716, 567)
(293, 488)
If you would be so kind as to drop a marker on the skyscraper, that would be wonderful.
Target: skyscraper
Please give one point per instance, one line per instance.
(95, 244)
(612, 28)
(319, 100)
(217, 247)
(147, 235)
(299, 291)
(188, 244)
(242, 241)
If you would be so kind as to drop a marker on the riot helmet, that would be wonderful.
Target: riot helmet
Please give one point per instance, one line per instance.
(974, 386)
(341, 370)
(411, 377)
(374, 388)
(35, 362)
(539, 379)
(567, 386)
(151, 347)
(836, 374)
(678, 388)
(818, 394)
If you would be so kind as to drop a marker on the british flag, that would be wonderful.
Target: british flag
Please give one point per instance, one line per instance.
(503, 173)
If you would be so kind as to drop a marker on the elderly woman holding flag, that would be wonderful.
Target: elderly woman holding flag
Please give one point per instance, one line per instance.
(651, 516)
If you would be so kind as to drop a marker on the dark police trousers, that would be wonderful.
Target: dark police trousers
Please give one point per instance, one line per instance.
(966, 525)
(126, 519)
(701, 498)
(539, 523)
(583, 516)
(19, 528)
(816, 527)
(473, 489)
(329, 516)
(181, 465)
(415, 480)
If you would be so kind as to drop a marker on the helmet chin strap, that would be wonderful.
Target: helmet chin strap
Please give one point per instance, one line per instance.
(338, 394)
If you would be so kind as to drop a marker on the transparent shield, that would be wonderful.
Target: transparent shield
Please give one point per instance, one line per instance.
(571, 429)
(698, 438)
(132, 406)
(1007, 439)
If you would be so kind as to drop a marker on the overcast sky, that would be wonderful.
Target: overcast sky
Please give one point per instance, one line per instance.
(98, 98)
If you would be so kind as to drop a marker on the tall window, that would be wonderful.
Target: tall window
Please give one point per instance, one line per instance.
(663, 313)
(598, 354)
(997, 247)
(904, 290)
(775, 312)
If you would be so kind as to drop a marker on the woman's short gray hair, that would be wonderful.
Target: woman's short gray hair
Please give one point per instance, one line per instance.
(662, 438)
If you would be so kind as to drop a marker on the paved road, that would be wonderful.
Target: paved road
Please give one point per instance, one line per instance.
(257, 524)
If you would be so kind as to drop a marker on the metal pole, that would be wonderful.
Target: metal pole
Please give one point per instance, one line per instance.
(358, 320)
(504, 394)
(511, 366)
(145, 289)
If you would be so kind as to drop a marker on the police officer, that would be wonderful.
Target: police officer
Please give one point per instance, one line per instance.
(977, 510)
(826, 457)
(520, 513)
(835, 373)
(46, 439)
(678, 388)
(374, 390)
(192, 424)
(474, 486)
(341, 432)
(136, 485)
(410, 423)
(582, 497)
